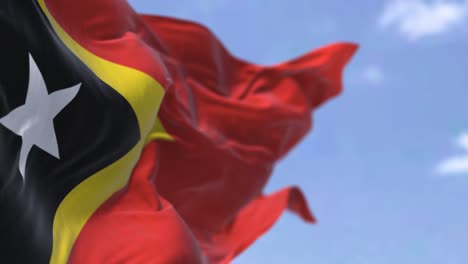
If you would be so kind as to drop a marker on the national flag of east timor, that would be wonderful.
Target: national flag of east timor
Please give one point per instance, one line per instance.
(72, 124)
(95, 167)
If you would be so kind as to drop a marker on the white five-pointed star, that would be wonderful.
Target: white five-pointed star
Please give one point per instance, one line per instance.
(33, 121)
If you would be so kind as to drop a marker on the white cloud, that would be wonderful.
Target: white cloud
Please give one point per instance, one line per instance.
(373, 74)
(462, 141)
(456, 164)
(419, 18)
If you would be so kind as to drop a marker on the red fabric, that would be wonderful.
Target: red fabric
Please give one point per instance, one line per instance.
(231, 120)
(251, 222)
(112, 30)
(136, 225)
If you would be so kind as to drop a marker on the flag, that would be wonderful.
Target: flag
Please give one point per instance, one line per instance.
(130, 138)
(72, 127)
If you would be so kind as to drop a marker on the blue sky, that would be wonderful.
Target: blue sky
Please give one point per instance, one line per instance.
(386, 167)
